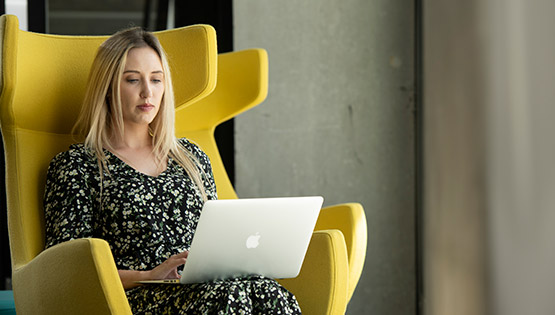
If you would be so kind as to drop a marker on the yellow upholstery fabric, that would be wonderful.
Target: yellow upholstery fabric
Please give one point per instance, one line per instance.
(242, 84)
(350, 220)
(321, 287)
(75, 277)
(43, 80)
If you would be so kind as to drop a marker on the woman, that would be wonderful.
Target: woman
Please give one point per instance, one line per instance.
(135, 185)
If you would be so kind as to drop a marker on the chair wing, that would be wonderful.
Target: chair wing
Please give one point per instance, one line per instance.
(242, 84)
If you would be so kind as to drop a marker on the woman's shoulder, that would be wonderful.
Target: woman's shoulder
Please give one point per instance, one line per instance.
(192, 147)
(77, 156)
(195, 150)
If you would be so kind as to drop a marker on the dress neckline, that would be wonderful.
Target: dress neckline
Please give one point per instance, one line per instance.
(128, 166)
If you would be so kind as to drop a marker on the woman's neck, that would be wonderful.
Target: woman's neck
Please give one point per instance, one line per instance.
(135, 148)
(132, 138)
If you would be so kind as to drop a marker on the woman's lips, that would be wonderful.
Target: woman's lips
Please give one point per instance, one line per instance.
(146, 107)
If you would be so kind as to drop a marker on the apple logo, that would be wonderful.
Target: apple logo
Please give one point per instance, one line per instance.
(253, 241)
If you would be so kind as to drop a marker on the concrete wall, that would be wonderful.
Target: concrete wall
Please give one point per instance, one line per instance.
(338, 122)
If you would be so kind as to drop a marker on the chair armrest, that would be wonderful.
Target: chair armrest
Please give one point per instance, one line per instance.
(349, 218)
(321, 286)
(74, 277)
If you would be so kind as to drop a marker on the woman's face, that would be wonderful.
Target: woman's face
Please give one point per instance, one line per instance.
(141, 86)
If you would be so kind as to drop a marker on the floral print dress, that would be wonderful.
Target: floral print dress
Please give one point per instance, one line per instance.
(146, 220)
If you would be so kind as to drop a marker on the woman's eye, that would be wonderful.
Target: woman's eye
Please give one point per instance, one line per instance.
(157, 80)
(132, 80)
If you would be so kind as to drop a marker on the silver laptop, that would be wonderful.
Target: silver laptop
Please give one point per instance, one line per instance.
(239, 237)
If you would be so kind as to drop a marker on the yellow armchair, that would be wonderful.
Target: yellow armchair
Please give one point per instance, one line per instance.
(42, 82)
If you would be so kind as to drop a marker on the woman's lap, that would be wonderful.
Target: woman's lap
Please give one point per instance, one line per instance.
(247, 295)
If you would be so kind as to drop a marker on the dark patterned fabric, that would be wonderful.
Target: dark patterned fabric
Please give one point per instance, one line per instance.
(146, 220)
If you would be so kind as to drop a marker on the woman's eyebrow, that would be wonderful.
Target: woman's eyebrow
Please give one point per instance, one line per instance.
(136, 71)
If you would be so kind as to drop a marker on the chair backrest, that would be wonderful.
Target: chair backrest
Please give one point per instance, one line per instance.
(242, 84)
(42, 83)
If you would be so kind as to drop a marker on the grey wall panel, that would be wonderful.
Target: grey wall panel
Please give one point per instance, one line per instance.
(338, 122)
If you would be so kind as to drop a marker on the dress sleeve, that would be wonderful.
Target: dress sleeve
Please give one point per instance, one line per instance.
(208, 176)
(68, 201)
(204, 166)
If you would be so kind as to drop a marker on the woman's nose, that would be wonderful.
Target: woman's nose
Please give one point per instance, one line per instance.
(146, 91)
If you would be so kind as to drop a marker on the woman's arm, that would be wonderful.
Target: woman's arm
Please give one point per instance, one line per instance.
(166, 270)
(68, 199)
(129, 278)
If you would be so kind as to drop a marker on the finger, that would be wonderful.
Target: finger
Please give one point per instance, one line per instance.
(175, 274)
(175, 262)
(182, 255)
(172, 275)
(169, 264)
(163, 273)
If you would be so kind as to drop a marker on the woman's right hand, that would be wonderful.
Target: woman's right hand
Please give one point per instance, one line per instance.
(166, 270)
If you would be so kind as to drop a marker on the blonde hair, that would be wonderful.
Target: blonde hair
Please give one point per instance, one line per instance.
(101, 113)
